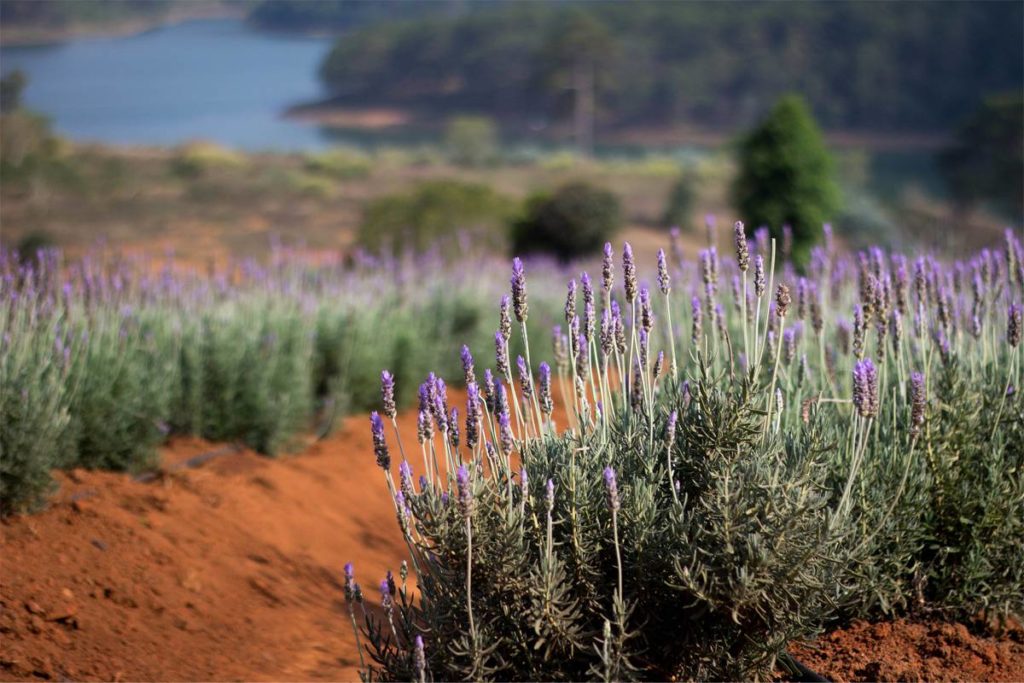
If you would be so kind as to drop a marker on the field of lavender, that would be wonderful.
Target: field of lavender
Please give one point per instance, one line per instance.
(747, 453)
(105, 358)
(713, 458)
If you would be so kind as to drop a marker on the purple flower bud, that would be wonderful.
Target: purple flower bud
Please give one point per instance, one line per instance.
(670, 430)
(465, 490)
(629, 272)
(698, 316)
(387, 391)
(1015, 325)
(782, 300)
(611, 487)
(380, 446)
(546, 403)
(646, 314)
(405, 478)
(419, 659)
(570, 301)
(472, 416)
(525, 380)
(742, 252)
(505, 432)
(549, 494)
(349, 581)
(467, 366)
(524, 482)
(759, 283)
(608, 268)
(865, 388)
(424, 427)
(385, 596)
(501, 356)
(917, 402)
(519, 303)
(505, 319)
(664, 279)
(453, 428)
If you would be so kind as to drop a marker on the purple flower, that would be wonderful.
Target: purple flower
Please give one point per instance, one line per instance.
(387, 392)
(664, 279)
(505, 432)
(611, 487)
(453, 428)
(629, 272)
(405, 477)
(524, 482)
(1015, 325)
(759, 283)
(646, 314)
(385, 596)
(467, 366)
(472, 416)
(549, 494)
(519, 303)
(917, 401)
(380, 446)
(865, 388)
(670, 430)
(501, 356)
(424, 427)
(697, 318)
(465, 490)
(525, 380)
(505, 319)
(349, 581)
(546, 403)
(782, 300)
(608, 268)
(570, 301)
(742, 252)
(419, 659)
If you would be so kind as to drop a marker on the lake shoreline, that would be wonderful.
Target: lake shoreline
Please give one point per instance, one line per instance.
(23, 36)
(330, 114)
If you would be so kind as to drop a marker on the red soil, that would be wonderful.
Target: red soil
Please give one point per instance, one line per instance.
(231, 570)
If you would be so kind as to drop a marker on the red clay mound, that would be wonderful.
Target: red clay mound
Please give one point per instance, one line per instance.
(231, 570)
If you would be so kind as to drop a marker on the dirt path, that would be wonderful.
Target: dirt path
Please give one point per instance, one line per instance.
(232, 570)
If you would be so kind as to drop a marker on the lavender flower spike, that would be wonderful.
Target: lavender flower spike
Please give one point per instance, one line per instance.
(1015, 325)
(759, 284)
(917, 400)
(380, 446)
(742, 252)
(505, 432)
(664, 279)
(419, 658)
(519, 303)
(629, 272)
(547, 405)
(608, 268)
(387, 392)
(611, 486)
(465, 491)
(865, 388)
(549, 494)
(467, 365)
(349, 581)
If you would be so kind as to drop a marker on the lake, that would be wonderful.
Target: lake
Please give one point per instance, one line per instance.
(212, 79)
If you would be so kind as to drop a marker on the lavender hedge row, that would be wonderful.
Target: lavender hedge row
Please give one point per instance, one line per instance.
(104, 358)
(748, 453)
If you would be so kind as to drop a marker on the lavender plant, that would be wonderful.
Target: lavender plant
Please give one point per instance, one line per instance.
(691, 522)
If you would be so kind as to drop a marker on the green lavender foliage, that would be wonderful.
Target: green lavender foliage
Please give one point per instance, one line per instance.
(103, 360)
(808, 479)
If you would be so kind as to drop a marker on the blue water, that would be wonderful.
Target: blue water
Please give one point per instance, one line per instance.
(214, 80)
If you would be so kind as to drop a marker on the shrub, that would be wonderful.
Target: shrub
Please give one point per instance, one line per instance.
(785, 176)
(471, 140)
(340, 163)
(199, 158)
(573, 221)
(681, 198)
(436, 209)
(689, 522)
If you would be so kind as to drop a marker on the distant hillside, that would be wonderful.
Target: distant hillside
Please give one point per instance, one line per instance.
(862, 65)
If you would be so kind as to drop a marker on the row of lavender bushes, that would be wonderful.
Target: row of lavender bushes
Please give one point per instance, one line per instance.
(105, 357)
(746, 453)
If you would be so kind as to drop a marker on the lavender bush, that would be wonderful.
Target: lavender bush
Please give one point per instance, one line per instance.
(104, 357)
(744, 453)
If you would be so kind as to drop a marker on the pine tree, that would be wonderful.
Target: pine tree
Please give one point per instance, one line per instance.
(785, 176)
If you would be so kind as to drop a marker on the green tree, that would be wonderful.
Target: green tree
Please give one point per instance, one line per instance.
(11, 87)
(573, 221)
(786, 176)
(471, 140)
(986, 161)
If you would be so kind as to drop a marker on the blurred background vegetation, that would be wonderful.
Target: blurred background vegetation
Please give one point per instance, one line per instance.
(553, 126)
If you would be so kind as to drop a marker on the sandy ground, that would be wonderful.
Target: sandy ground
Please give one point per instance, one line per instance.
(231, 570)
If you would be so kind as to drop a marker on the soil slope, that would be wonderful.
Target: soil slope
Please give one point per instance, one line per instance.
(231, 570)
